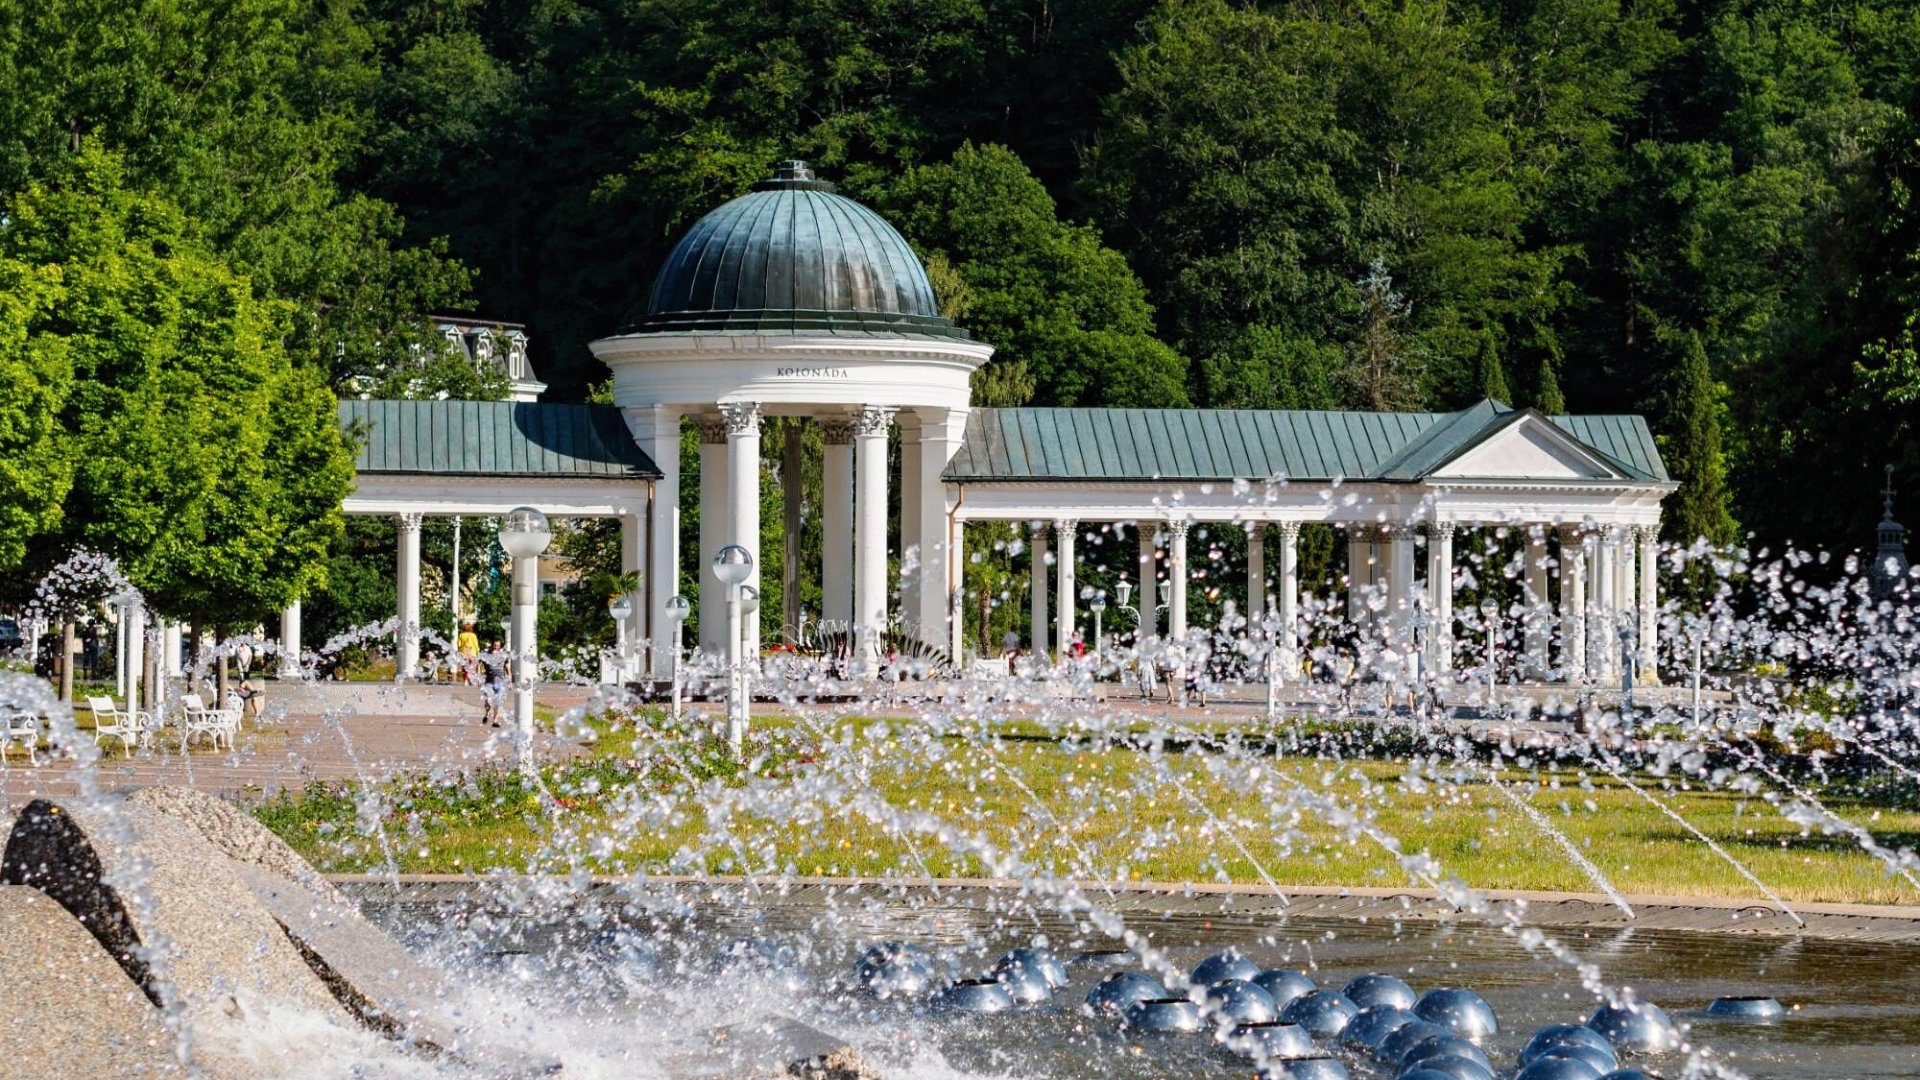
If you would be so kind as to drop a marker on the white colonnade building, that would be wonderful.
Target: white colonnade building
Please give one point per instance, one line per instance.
(793, 301)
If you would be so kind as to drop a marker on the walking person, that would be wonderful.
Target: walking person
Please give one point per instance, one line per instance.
(466, 648)
(496, 667)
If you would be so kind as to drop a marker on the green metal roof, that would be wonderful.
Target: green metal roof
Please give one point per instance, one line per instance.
(1226, 444)
(495, 438)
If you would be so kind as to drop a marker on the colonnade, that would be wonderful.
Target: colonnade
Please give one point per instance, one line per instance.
(853, 574)
(1605, 618)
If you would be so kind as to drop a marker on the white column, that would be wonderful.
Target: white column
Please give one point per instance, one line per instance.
(1064, 584)
(941, 431)
(1573, 604)
(170, 642)
(957, 595)
(1400, 600)
(136, 653)
(633, 560)
(870, 533)
(1257, 571)
(407, 635)
(1539, 604)
(743, 503)
(1649, 609)
(1626, 583)
(1359, 572)
(656, 429)
(1038, 594)
(1149, 594)
(119, 650)
(714, 534)
(836, 522)
(1440, 599)
(913, 557)
(1177, 581)
(290, 641)
(1289, 601)
(1605, 650)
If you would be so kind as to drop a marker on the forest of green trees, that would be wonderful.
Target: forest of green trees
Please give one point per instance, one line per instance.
(1700, 210)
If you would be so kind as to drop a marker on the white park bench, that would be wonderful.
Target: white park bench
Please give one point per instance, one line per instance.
(110, 723)
(218, 725)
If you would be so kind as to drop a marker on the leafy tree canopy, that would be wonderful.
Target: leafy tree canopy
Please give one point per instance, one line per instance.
(206, 460)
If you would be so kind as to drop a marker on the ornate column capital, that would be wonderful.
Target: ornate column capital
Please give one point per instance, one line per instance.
(1573, 534)
(873, 419)
(836, 430)
(1441, 530)
(713, 429)
(1179, 528)
(741, 417)
(409, 522)
(1289, 531)
(1065, 528)
(1398, 530)
(1612, 533)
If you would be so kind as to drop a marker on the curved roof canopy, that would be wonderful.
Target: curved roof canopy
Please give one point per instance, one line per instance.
(792, 256)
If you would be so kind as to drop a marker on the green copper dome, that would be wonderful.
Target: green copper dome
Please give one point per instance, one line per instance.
(793, 257)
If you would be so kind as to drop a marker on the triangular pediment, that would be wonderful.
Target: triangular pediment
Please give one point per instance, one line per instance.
(1528, 448)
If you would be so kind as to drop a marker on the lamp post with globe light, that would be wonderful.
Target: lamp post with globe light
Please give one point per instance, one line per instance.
(678, 608)
(733, 565)
(620, 608)
(524, 534)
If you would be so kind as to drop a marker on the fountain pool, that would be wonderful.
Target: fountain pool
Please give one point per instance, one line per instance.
(1853, 1009)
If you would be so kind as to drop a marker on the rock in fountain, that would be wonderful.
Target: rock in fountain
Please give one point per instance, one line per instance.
(1640, 1027)
(130, 928)
(1463, 1012)
(1366, 991)
(1122, 988)
(1324, 1013)
(65, 991)
(1285, 985)
(1241, 1002)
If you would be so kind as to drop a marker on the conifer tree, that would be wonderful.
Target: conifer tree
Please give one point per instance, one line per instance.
(1493, 374)
(1694, 453)
(1547, 397)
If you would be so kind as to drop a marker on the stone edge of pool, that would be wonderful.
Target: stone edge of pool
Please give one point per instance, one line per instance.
(1888, 924)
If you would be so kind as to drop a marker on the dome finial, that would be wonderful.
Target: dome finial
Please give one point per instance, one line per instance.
(793, 174)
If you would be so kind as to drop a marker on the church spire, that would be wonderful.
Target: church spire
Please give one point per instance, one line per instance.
(1888, 575)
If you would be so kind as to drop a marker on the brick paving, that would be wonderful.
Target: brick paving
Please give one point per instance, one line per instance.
(336, 732)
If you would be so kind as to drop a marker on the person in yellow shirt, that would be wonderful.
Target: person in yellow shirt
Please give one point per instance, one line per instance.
(468, 646)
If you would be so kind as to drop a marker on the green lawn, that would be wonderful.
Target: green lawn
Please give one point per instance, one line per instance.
(861, 800)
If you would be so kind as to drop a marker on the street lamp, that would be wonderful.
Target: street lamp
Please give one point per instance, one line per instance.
(524, 534)
(620, 608)
(678, 608)
(733, 565)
